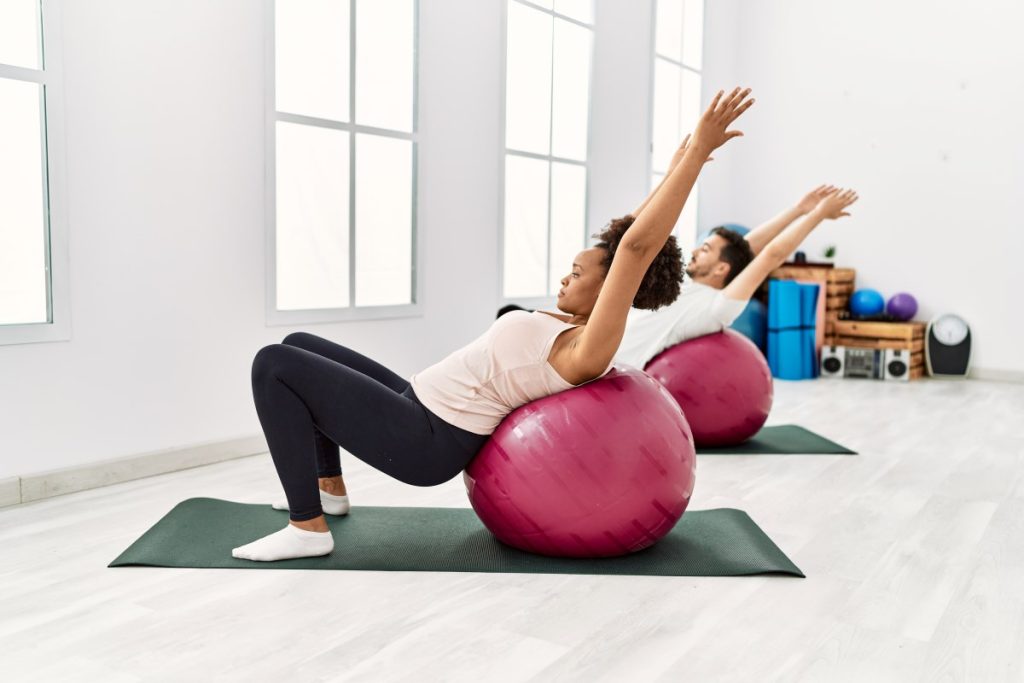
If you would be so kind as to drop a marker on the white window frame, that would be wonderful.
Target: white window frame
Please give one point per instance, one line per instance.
(695, 192)
(275, 317)
(503, 151)
(51, 77)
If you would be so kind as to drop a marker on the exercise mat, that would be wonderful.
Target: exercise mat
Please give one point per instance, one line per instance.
(781, 440)
(200, 532)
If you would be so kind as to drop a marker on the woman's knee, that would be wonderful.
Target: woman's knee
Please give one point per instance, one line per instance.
(266, 361)
(300, 339)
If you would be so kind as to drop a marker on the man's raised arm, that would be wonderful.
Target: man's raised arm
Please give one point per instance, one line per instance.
(831, 207)
(760, 236)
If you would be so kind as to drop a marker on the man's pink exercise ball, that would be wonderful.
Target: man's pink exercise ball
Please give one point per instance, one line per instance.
(722, 383)
(601, 470)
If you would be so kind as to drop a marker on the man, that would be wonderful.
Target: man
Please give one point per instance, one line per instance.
(724, 273)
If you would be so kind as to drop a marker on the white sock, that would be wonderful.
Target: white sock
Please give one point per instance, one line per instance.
(331, 504)
(288, 543)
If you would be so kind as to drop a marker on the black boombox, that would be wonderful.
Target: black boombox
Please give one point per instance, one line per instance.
(847, 361)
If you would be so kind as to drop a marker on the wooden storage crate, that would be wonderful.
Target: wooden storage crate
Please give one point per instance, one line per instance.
(881, 335)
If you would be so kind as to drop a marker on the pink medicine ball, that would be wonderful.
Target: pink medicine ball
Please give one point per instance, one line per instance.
(600, 470)
(722, 383)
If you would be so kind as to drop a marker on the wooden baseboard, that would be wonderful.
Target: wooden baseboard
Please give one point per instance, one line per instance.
(58, 482)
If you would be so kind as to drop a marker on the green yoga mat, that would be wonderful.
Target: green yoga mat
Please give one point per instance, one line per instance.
(200, 532)
(782, 440)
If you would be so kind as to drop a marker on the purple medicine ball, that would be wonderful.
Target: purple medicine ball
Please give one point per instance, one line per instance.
(902, 306)
(600, 470)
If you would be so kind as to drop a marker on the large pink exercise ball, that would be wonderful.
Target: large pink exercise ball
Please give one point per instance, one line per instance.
(722, 383)
(600, 470)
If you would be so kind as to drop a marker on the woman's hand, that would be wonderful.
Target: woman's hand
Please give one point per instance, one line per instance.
(812, 198)
(681, 152)
(834, 205)
(712, 129)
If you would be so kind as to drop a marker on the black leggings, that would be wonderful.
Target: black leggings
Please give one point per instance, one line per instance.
(313, 395)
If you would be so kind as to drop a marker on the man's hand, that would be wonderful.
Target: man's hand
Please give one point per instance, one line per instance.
(712, 129)
(833, 206)
(811, 199)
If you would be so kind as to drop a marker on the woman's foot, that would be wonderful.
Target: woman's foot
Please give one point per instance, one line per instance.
(290, 542)
(333, 485)
(333, 497)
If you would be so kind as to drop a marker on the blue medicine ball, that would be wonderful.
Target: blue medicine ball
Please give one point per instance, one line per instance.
(752, 323)
(866, 302)
(735, 227)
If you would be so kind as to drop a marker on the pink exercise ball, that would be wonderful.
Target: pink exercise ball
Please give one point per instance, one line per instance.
(722, 383)
(601, 470)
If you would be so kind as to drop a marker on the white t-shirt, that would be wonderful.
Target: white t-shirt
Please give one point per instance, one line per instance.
(699, 310)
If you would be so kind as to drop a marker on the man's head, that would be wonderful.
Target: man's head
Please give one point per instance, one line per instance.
(721, 257)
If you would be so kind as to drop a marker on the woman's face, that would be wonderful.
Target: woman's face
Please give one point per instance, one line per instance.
(582, 285)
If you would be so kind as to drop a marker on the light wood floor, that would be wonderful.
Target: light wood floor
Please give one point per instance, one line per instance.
(914, 553)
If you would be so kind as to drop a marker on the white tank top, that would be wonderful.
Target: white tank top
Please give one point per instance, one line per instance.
(475, 387)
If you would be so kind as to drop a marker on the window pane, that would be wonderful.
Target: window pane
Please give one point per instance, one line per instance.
(528, 82)
(693, 33)
(312, 55)
(23, 276)
(526, 226)
(665, 134)
(581, 10)
(571, 90)
(312, 217)
(668, 29)
(383, 221)
(546, 4)
(568, 213)
(19, 33)
(689, 105)
(385, 37)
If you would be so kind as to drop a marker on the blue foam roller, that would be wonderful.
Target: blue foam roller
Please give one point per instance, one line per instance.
(752, 323)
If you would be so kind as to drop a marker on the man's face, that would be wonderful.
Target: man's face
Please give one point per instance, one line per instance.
(706, 257)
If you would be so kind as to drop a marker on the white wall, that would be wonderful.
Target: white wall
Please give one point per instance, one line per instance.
(721, 54)
(916, 105)
(165, 183)
(620, 138)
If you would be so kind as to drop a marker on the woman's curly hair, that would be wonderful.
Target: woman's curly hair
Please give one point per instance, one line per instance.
(660, 285)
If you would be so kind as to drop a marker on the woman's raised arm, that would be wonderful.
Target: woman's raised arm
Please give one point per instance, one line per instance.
(676, 158)
(597, 344)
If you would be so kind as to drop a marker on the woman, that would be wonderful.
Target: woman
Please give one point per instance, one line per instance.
(311, 392)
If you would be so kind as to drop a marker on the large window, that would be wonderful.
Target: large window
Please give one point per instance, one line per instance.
(547, 102)
(678, 44)
(342, 160)
(33, 238)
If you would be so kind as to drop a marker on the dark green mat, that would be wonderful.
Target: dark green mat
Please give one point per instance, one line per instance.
(200, 532)
(782, 440)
